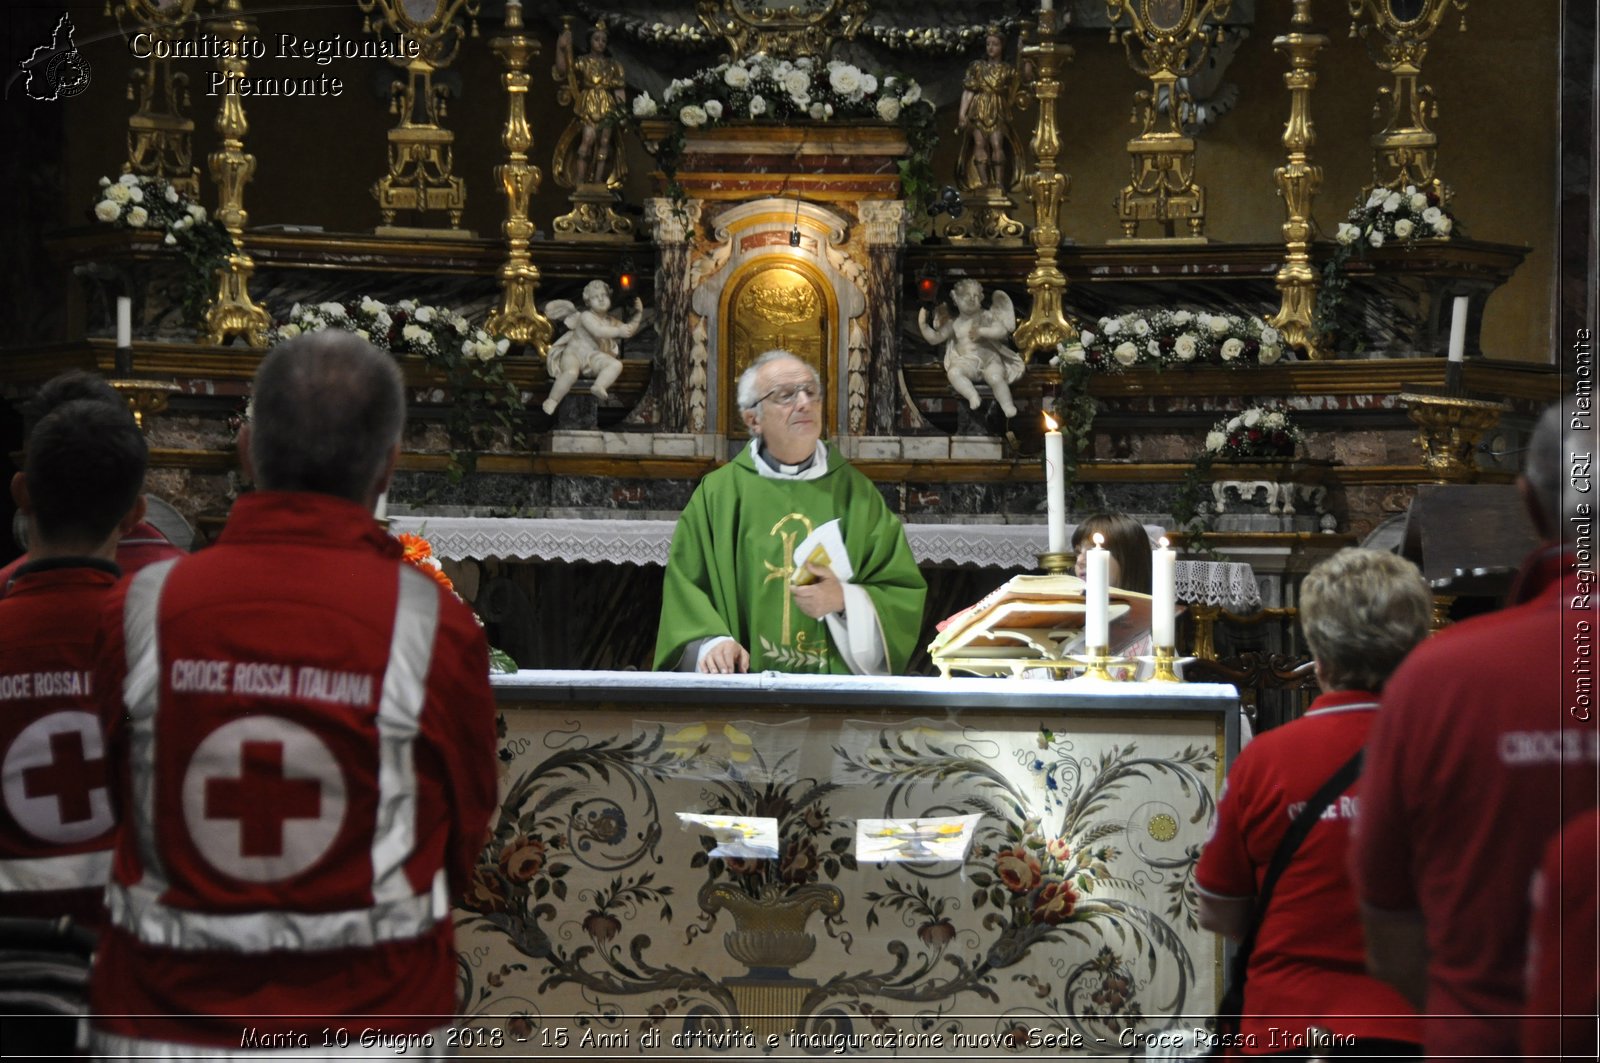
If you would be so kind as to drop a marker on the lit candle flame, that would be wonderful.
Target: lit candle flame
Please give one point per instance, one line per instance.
(1050, 424)
(1099, 540)
(1164, 543)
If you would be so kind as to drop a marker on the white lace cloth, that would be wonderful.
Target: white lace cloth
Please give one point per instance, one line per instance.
(1230, 584)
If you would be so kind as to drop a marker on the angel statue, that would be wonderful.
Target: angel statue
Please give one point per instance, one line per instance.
(975, 343)
(595, 86)
(991, 152)
(591, 344)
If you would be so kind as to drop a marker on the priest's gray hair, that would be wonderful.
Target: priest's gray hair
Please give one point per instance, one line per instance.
(326, 409)
(748, 396)
(1362, 612)
(1565, 432)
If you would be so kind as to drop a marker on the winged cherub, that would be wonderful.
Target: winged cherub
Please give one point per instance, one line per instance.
(976, 343)
(591, 344)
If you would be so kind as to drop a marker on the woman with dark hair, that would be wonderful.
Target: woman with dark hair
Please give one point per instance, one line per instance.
(1128, 542)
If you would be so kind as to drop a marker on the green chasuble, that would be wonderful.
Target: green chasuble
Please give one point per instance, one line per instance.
(733, 553)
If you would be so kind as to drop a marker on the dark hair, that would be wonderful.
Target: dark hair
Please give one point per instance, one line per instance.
(326, 408)
(84, 470)
(1128, 543)
(71, 386)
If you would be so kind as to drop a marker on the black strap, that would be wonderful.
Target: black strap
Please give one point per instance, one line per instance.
(1232, 1004)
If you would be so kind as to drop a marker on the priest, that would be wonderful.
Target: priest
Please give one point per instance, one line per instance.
(733, 600)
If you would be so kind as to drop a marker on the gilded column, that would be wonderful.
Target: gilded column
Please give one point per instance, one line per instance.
(1298, 182)
(1046, 325)
(883, 223)
(518, 318)
(234, 313)
(673, 225)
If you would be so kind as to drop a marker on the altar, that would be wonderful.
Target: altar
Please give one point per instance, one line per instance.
(1032, 848)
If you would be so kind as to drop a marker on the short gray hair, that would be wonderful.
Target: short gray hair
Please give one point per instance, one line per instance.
(326, 409)
(747, 395)
(1564, 431)
(1362, 611)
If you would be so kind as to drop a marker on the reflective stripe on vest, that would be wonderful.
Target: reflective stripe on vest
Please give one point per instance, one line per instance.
(74, 871)
(398, 913)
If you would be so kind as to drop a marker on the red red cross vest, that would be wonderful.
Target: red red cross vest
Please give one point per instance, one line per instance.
(301, 774)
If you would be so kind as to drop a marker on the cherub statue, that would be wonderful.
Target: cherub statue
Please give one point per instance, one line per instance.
(975, 343)
(595, 86)
(590, 346)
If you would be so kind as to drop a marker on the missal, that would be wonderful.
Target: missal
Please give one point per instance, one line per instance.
(1036, 617)
(824, 547)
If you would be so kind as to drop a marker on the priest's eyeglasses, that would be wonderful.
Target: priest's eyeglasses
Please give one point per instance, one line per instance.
(789, 394)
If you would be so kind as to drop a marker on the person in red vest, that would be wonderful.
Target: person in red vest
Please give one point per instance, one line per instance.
(140, 545)
(302, 737)
(79, 490)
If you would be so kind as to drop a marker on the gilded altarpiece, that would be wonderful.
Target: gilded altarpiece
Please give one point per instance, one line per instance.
(595, 917)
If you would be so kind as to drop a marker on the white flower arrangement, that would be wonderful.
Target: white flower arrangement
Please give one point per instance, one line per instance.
(1407, 215)
(1255, 432)
(436, 334)
(153, 205)
(1174, 338)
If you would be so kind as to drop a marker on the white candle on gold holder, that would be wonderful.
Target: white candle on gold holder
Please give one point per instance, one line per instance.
(1163, 595)
(124, 321)
(1055, 486)
(1097, 597)
(1458, 329)
(1046, 6)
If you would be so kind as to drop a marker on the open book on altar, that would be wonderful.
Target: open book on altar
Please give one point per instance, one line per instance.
(1036, 618)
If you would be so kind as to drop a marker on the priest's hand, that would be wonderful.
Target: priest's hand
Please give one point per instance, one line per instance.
(818, 599)
(726, 657)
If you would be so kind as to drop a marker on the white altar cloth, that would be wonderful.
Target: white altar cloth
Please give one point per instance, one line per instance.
(1230, 584)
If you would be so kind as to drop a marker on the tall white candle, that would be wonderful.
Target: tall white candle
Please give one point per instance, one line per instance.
(1055, 487)
(1163, 594)
(1458, 330)
(1097, 595)
(381, 510)
(124, 321)
(1047, 6)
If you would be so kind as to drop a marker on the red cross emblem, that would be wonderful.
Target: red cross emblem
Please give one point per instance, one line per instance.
(55, 778)
(263, 798)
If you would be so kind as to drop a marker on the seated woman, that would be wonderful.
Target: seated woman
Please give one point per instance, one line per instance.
(1128, 567)
(1362, 611)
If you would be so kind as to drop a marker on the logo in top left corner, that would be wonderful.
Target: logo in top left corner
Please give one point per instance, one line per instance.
(56, 71)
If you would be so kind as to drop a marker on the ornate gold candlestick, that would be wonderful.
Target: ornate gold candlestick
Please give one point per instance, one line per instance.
(1407, 149)
(518, 318)
(1057, 564)
(145, 398)
(234, 313)
(1164, 661)
(1046, 326)
(159, 133)
(1298, 182)
(1097, 662)
(1451, 426)
(1173, 42)
(421, 150)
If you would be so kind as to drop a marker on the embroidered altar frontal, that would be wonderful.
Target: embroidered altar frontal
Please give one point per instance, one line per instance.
(797, 865)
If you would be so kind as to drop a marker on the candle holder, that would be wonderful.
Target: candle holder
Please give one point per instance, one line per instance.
(1097, 662)
(1163, 662)
(145, 398)
(1449, 428)
(1057, 564)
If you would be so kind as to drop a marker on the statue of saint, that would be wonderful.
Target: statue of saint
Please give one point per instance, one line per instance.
(591, 344)
(991, 152)
(976, 343)
(589, 150)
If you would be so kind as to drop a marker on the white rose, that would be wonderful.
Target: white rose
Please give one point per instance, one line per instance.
(414, 334)
(1141, 327)
(128, 180)
(1235, 424)
(1274, 420)
(407, 305)
(1346, 233)
(844, 79)
(1111, 326)
(469, 348)
(1215, 440)
(1432, 215)
(137, 217)
(382, 320)
(502, 346)
(331, 309)
(1402, 227)
(758, 106)
(713, 109)
(1126, 353)
(797, 83)
(818, 112)
(107, 210)
(1376, 196)
(692, 116)
(1072, 353)
(1269, 334)
(888, 108)
(486, 352)
(1443, 225)
(136, 194)
(1270, 352)
(1181, 317)
(197, 212)
(169, 240)
(1419, 201)
(363, 333)
(171, 194)
(1154, 348)
(1391, 202)
(1185, 347)
(644, 106)
(869, 83)
(1375, 238)
(105, 182)
(1252, 417)
(912, 95)
(736, 77)
(1086, 337)
(459, 323)
(1231, 348)
(184, 222)
(424, 314)
(1218, 324)
(117, 193)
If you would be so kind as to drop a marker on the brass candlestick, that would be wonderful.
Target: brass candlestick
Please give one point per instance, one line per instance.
(1097, 662)
(1298, 182)
(1046, 326)
(518, 318)
(1407, 149)
(1174, 41)
(421, 149)
(1164, 661)
(1057, 564)
(145, 398)
(1451, 426)
(234, 313)
(159, 132)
